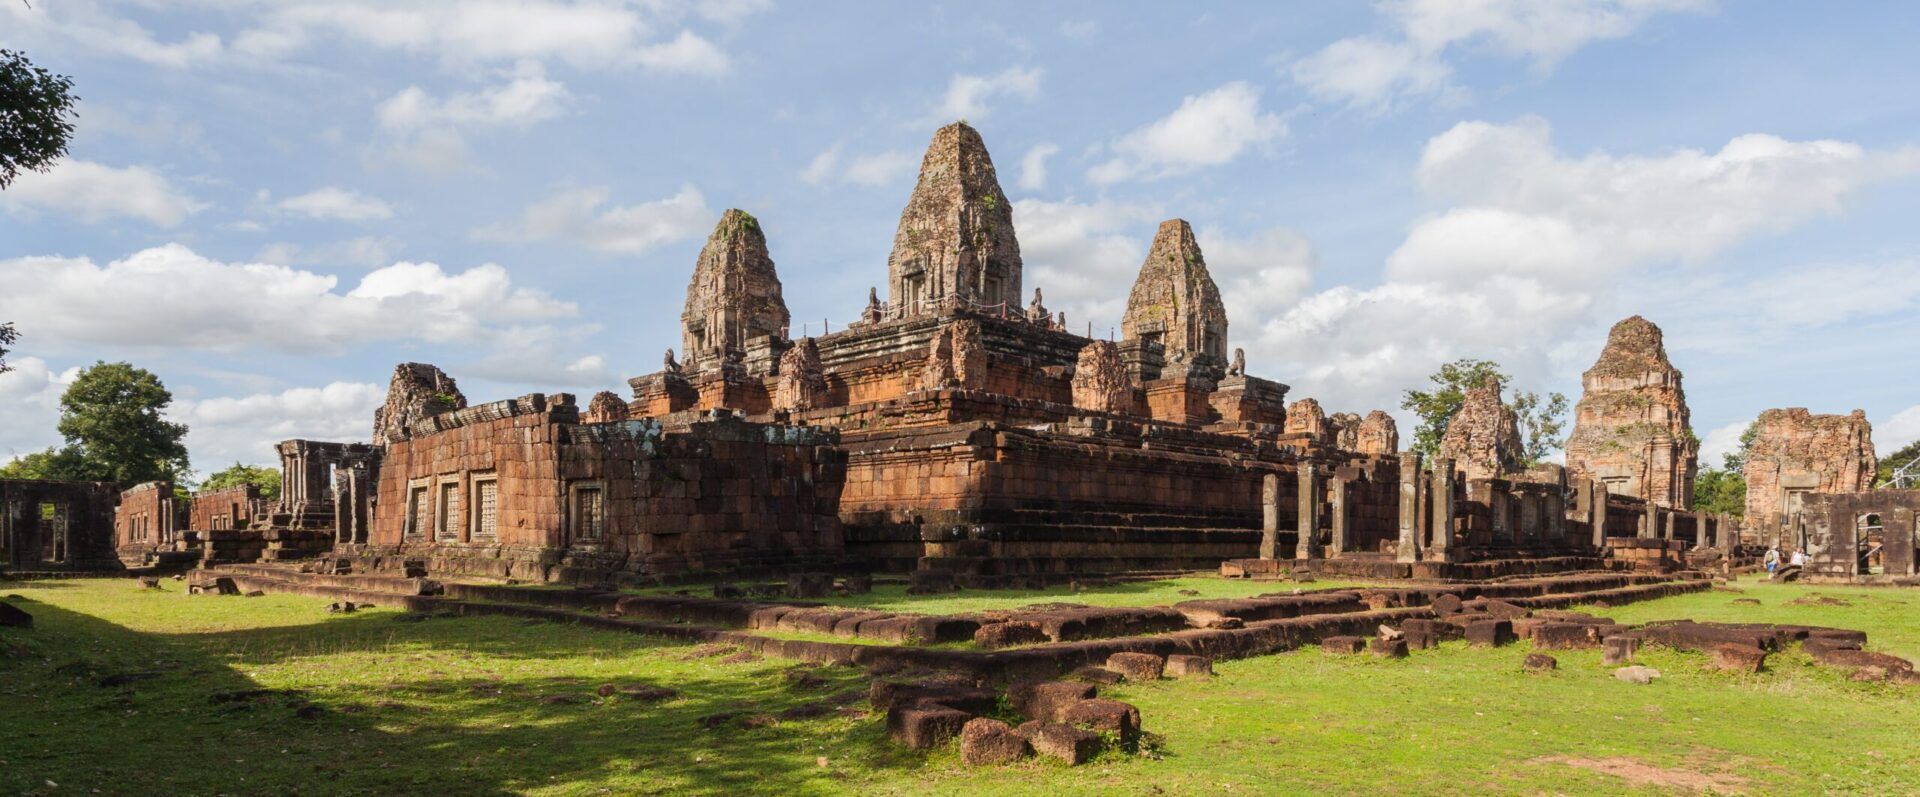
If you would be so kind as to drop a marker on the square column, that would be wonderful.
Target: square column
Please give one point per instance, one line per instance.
(1307, 547)
(1340, 531)
(1409, 547)
(1270, 516)
(1441, 543)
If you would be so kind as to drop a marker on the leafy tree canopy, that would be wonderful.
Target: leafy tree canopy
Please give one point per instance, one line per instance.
(111, 417)
(1896, 461)
(34, 108)
(1541, 420)
(54, 464)
(267, 479)
(8, 336)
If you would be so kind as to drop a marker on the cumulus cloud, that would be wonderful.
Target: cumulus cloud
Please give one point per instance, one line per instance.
(244, 429)
(1084, 255)
(159, 297)
(336, 203)
(85, 26)
(430, 133)
(1897, 431)
(1374, 72)
(874, 169)
(1718, 443)
(1534, 239)
(1260, 276)
(30, 406)
(1033, 166)
(1207, 129)
(967, 95)
(578, 216)
(96, 192)
(365, 251)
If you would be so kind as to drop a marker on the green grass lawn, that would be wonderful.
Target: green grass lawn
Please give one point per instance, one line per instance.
(894, 597)
(492, 705)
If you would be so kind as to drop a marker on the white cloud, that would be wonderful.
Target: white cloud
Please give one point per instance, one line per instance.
(1084, 256)
(1033, 166)
(431, 133)
(30, 406)
(466, 33)
(875, 169)
(1206, 130)
(1261, 276)
(1375, 72)
(576, 215)
(1535, 240)
(1720, 442)
(159, 297)
(365, 251)
(95, 192)
(1896, 432)
(86, 27)
(967, 95)
(334, 202)
(221, 431)
(538, 358)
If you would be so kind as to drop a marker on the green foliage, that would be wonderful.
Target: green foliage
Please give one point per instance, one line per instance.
(8, 336)
(1896, 461)
(267, 479)
(1540, 422)
(1720, 491)
(111, 418)
(53, 464)
(34, 108)
(1736, 460)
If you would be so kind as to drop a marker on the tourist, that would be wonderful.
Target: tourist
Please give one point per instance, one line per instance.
(1799, 557)
(1773, 558)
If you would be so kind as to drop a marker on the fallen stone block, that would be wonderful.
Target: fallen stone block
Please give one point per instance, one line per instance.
(1106, 716)
(1505, 610)
(1861, 658)
(1490, 633)
(925, 726)
(1061, 741)
(1343, 644)
(885, 695)
(1181, 665)
(1137, 666)
(149, 582)
(1097, 675)
(212, 585)
(1739, 658)
(1539, 662)
(1618, 649)
(985, 742)
(994, 636)
(1446, 603)
(1044, 700)
(1636, 674)
(1563, 636)
(1388, 648)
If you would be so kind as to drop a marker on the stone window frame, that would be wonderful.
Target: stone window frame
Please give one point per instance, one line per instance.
(418, 491)
(575, 535)
(474, 480)
(448, 526)
(54, 525)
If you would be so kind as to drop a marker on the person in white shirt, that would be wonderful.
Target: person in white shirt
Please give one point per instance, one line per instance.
(1799, 557)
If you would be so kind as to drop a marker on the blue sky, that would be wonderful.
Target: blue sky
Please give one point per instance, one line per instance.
(270, 204)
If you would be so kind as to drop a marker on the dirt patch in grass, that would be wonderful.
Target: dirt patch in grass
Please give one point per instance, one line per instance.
(1641, 773)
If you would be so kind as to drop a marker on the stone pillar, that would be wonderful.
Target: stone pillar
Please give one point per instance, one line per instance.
(1553, 507)
(1307, 547)
(1896, 528)
(1529, 518)
(1270, 516)
(1729, 534)
(1497, 502)
(1340, 531)
(1596, 495)
(1441, 549)
(1649, 521)
(1409, 547)
(1672, 526)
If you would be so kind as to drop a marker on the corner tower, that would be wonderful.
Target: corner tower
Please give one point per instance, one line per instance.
(1174, 301)
(734, 296)
(1631, 429)
(956, 234)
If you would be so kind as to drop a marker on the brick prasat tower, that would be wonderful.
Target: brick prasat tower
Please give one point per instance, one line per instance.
(1631, 430)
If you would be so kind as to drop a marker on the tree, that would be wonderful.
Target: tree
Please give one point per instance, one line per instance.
(55, 464)
(1541, 423)
(8, 336)
(111, 417)
(34, 107)
(267, 479)
(1896, 461)
(1724, 489)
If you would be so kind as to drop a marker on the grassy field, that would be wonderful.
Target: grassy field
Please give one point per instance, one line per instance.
(368, 703)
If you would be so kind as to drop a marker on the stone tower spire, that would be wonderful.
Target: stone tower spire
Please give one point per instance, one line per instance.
(734, 296)
(1174, 300)
(1631, 429)
(956, 233)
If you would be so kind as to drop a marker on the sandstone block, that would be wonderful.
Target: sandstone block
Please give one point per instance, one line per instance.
(1446, 603)
(1490, 633)
(1539, 662)
(1563, 636)
(1137, 666)
(994, 636)
(1388, 648)
(1618, 649)
(925, 726)
(1739, 658)
(1343, 644)
(1061, 741)
(1181, 665)
(1106, 716)
(985, 742)
(1044, 700)
(1636, 674)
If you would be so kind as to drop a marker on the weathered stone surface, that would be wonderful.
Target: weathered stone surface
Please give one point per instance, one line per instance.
(802, 384)
(1489, 633)
(1306, 417)
(606, 407)
(1181, 665)
(1377, 435)
(417, 391)
(1739, 658)
(1045, 700)
(994, 636)
(1539, 662)
(1105, 716)
(1795, 452)
(1483, 437)
(1618, 649)
(1100, 382)
(925, 725)
(1388, 648)
(1631, 427)
(955, 359)
(1174, 301)
(1346, 430)
(1636, 674)
(1345, 645)
(1137, 666)
(955, 238)
(734, 296)
(1446, 603)
(984, 742)
(1060, 740)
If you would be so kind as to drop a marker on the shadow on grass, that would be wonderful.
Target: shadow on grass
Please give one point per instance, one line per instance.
(88, 704)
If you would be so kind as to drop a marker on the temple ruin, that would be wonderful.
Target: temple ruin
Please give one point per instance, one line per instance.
(1796, 455)
(1631, 430)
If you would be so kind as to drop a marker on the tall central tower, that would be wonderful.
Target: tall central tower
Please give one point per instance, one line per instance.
(956, 233)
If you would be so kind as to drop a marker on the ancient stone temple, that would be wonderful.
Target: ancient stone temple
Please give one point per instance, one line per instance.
(1631, 429)
(734, 297)
(418, 391)
(1377, 435)
(1174, 302)
(1483, 438)
(955, 241)
(55, 526)
(1796, 453)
